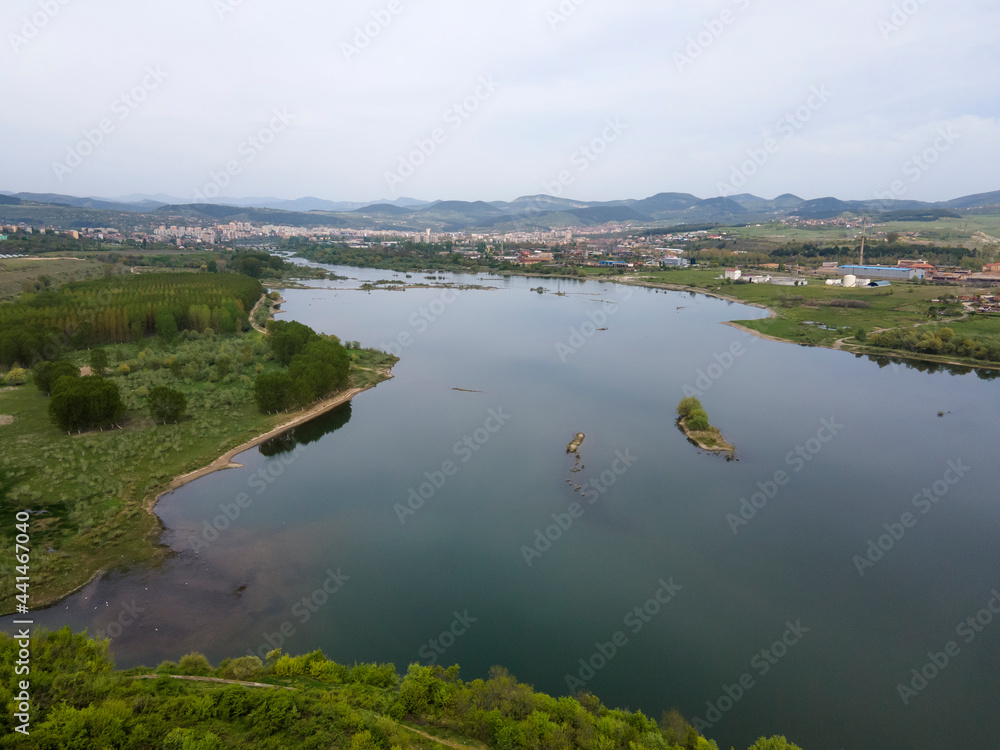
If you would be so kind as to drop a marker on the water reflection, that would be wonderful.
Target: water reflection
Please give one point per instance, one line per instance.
(309, 432)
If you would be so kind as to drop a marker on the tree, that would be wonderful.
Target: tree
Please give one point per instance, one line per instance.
(688, 405)
(46, 374)
(288, 338)
(98, 361)
(166, 405)
(273, 391)
(322, 366)
(82, 403)
(697, 420)
(892, 238)
(166, 325)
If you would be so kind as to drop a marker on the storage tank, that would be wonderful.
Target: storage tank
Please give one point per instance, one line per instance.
(850, 280)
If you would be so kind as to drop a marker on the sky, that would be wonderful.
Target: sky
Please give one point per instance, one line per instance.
(494, 99)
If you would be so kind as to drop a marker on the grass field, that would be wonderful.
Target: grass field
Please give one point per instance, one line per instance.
(968, 231)
(16, 272)
(92, 487)
(805, 315)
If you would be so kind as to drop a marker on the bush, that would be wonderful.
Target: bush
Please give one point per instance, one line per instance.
(166, 405)
(46, 374)
(688, 405)
(17, 376)
(697, 420)
(195, 664)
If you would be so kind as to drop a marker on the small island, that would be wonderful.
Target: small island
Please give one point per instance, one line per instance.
(693, 420)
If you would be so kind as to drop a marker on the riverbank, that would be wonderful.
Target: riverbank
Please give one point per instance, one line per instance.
(92, 495)
(225, 461)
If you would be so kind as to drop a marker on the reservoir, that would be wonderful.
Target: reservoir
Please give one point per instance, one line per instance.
(837, 583)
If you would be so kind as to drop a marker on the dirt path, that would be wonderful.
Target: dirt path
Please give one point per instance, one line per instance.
(192, 678)
(440, 741)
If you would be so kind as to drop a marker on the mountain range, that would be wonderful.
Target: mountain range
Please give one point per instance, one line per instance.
(527, 213)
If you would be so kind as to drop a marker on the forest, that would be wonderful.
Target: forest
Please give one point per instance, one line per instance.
(119, 309)
(78, 699)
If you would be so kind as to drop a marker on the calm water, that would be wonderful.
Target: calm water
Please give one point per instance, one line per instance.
(401, 583)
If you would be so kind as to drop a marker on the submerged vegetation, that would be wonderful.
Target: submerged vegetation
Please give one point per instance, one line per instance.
(78, 699)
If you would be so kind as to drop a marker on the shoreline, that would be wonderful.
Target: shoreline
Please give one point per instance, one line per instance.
(225, 461)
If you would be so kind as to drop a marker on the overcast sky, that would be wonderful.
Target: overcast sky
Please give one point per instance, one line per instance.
(493, 99)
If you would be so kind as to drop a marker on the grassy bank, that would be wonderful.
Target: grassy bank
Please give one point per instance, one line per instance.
(830, 316)
(88, 491)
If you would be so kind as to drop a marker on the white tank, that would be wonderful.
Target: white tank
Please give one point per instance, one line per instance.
(850, 281)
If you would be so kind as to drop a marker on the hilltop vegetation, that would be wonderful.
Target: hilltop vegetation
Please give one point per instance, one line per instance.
(79, 700)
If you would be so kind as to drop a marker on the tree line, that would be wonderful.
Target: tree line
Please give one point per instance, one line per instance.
(313, 366)
(78, 699)
(124, 308)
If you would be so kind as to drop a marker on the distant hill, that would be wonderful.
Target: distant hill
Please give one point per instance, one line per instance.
(980, 200)
(525, 213)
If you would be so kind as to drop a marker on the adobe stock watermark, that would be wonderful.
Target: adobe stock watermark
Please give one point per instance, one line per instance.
(31, 26)
(760, 665)
(562, 522)
(128, 615)
(122, 107)
(937, 661)
(369, 31)
(563, 12)
(699, 43)
(923, 502)
(921, 163)
(435, 648)
(596, 321)
(786, 126)
(454, 118)
(224, 7)
(259, 481)
(302, 612)
(634, 621)
(249, 149)
(710, 375)
(797, 459)
(420, 321)
(463, 449)
(900, 16)
(585, 156)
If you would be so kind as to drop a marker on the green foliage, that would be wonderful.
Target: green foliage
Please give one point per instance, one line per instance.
(98, 360)
(688, 405)
(774, 743)
(84, 403)
(273, 392)
(118, 309)
(17, 376)
(46, 374)
(166, 326)
(194, 664)
(697, 420)
(166, 405)
(288, 338)
(79, 701)
(942, 342)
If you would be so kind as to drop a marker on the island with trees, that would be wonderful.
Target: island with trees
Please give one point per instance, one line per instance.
(693, 421)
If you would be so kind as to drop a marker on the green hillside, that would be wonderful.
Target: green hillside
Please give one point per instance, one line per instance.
(76, 699)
